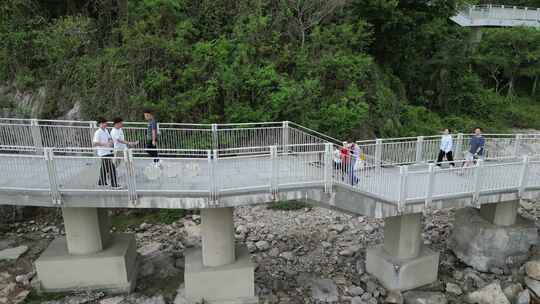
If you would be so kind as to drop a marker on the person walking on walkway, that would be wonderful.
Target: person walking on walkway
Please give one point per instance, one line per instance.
(445, 149)
(103, 142)
(476, 150)
(151, 136)
(119, 142)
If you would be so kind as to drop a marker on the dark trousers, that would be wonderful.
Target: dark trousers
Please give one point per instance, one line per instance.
(448, 155)
(152, 152)
(107, 169)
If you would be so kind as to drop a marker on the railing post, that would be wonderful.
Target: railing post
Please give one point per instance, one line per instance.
(477, 183)
(215, 137)
(378, 152)
(517, 145)
(328, 167)
(212, 183)
(402, 200)
(430, 185)
(53, 177)
(524, 176)
(285, 136)
(92, 128)
(37, 140)
(274, 179)
(131, 178)
(419, 148)
(457, 149)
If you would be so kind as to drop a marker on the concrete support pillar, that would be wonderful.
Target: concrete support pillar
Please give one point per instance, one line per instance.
(87, 229)
(403, 235)
(402, 262)
(217, 232)
(500, 214)
(476, 36)
(89, 256)
(219, 267)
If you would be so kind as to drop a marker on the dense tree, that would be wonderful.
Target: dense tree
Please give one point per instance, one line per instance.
(352, 68)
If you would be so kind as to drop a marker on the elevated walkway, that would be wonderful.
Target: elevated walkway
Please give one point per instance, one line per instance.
(217, 167)
(490, 15)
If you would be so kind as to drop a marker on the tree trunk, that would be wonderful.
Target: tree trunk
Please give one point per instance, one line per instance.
(535, 83)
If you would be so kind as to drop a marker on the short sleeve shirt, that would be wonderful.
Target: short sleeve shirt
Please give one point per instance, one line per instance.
(102, 136)
(152, 125)
(117, 136)
(477, 144)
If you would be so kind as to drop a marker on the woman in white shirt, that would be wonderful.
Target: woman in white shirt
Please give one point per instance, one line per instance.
(446, 148)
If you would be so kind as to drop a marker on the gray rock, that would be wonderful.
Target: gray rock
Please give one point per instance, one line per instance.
(274, 252)
(13, 253)
(287, 255)
(394, 297)
(113, 300)
(350, 251)
(424, 297)
(532, 268)
(524, 297)
(150, 300)
(149, 249)
(355, 291)
(338, 228)
(533, 285)
(454, 289)
(511, 291)
(491, 294)
(262, 245)
(357, 300)
(371, 286)
(324, 290)
(485, 246)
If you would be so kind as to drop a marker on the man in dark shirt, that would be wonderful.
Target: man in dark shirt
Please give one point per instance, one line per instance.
(151, 136)
(477, 147)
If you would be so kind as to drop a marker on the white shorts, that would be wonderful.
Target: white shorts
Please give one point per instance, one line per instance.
(469, 156)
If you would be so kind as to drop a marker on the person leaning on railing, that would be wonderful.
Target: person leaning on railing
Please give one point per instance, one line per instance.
(119, 142)
(103, 142)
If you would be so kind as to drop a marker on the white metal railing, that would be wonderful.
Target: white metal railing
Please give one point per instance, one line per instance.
(209, 173)
(502, 12)
(264, 157)
(424, 149)
(61, 133)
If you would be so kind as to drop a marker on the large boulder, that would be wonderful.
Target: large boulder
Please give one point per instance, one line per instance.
(485, 246)
(491, 294)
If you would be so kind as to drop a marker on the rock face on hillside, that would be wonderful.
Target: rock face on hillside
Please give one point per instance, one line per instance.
(487, 247)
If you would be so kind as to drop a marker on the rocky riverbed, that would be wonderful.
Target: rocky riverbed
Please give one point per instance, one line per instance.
(311, 255)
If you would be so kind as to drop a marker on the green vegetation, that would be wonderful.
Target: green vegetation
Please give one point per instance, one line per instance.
(37, 298)
(288, 205)
(123, 221)
(350, 68)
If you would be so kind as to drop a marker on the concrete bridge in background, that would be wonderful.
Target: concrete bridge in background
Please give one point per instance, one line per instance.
(216, 167)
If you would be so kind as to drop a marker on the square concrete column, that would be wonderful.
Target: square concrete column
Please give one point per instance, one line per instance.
(220, 272)
(89, 257)
(403, 235)
(217, 233)
(402, 262)
(87, 229)
(500, 214)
